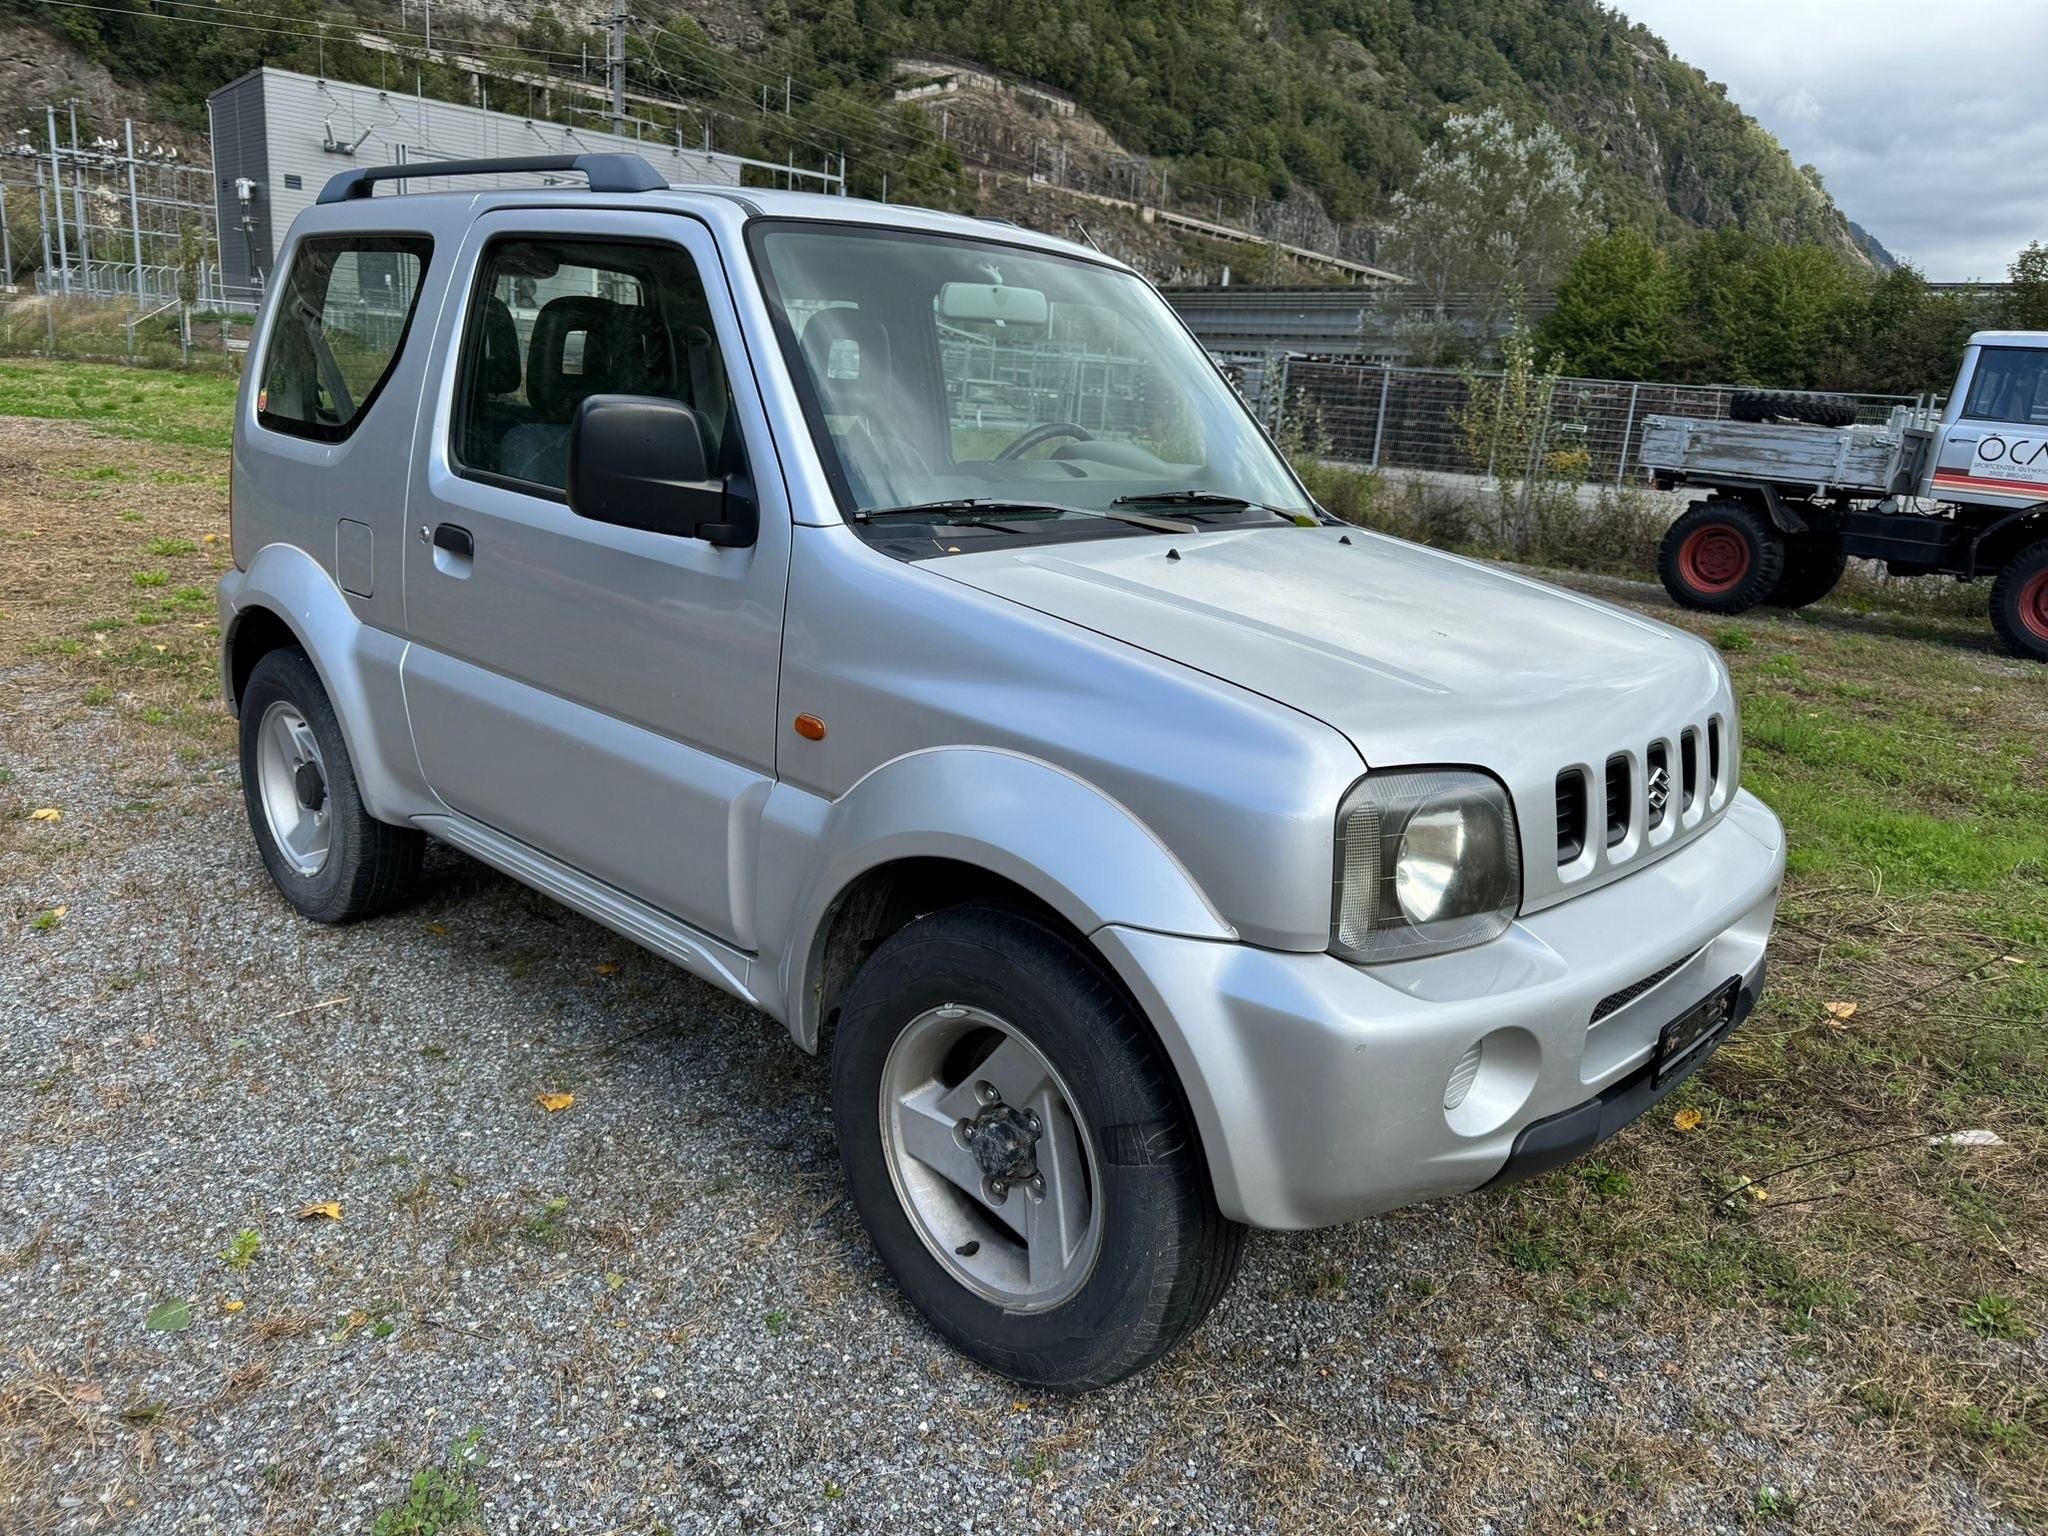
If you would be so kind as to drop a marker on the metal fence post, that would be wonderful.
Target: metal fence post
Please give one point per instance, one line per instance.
(1500, 407)
(1280, 396)
(1628, 431)
(1379, 426)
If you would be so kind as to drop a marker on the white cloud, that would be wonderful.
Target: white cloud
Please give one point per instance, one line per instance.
(1928, 122)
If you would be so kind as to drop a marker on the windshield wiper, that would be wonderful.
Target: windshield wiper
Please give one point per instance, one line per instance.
(1199, 501)
(965, 511)
(985, 511)
(1186, 499)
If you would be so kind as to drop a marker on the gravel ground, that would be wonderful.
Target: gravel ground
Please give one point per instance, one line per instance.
(655, 1305)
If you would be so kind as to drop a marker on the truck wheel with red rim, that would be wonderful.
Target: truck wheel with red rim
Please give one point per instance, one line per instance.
(2019, 603)
(1721, 557)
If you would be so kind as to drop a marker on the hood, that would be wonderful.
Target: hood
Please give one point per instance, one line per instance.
(1416, 656)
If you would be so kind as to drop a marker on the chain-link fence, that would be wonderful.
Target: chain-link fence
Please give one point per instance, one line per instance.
(159, 334)
(1421, 419)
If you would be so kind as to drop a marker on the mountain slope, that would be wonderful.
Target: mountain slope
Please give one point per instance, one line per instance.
(1335, 99)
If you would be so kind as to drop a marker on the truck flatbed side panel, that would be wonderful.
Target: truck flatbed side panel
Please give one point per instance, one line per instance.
(1858, 461)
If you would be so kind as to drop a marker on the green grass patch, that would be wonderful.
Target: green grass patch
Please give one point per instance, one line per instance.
(155, 405)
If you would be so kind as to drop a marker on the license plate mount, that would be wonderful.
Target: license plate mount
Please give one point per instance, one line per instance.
(1686, 1036)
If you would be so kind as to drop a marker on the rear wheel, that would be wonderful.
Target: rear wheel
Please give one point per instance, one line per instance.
(1721, 557)
(1018, 1149)
(2019, 603)
(1791, 405)
(1810, 574)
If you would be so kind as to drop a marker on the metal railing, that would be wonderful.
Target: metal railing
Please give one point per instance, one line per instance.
(1384, 417)
(102, 330)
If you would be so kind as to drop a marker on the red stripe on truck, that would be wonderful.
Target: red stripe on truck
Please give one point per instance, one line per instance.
(1976, 482)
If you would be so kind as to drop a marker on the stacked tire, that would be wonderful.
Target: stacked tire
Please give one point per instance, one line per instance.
(1792, 405)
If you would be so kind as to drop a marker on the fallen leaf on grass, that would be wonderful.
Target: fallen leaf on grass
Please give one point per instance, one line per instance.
(1688, 1119)
(329, 1209)
(554, 1102)
(1758, 1192)
(169, 1317)
(47, 813)
(437, 927)
(1840, 1013)
(232, 1306)
(606, 969)
(613, 1280)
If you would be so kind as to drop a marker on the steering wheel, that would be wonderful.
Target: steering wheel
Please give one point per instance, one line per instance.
(1045, 432)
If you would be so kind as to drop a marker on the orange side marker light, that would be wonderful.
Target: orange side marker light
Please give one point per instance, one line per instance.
(810, 727)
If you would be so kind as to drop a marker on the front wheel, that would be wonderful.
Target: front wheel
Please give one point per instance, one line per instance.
(1018, 1148)
(331, 859)
(1721, 556)
(2019, 603)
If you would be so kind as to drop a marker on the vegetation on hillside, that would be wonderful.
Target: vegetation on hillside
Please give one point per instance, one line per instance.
(1336, 97)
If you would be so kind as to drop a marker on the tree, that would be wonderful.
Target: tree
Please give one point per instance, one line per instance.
(1616, 310)
(1494, 208)
(1908, 337)
(1757, 312)
(2026, 307)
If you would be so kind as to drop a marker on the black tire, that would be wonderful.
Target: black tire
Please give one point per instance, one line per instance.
(1811, 573)
(369, 865)
(1166, 1255)
(1721, 556)
(1791, 405)
(2019, 603)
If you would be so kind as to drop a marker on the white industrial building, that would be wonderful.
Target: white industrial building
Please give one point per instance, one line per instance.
(278, 136)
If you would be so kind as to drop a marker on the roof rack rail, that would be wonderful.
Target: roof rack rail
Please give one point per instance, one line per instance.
(607, 173)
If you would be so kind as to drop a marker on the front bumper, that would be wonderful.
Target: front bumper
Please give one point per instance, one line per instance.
(1326, 1091)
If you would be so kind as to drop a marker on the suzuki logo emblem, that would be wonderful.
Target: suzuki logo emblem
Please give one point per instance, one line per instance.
(1659, 790)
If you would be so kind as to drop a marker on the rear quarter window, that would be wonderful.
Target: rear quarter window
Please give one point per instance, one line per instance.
(339, 329)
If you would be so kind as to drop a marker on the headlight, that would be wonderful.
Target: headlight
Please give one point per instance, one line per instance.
(1427, 861)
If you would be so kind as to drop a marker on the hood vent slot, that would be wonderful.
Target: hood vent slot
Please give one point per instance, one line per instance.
(1617, 799)
(1571, 815)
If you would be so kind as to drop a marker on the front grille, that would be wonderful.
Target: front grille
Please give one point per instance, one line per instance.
(1643, 799)
(1571, 815)
(1615, 1001)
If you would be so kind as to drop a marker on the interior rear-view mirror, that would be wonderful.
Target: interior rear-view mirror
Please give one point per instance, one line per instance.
(993, 301)
(641, 461)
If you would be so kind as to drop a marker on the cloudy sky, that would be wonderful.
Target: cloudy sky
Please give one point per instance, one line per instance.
(1928, 119)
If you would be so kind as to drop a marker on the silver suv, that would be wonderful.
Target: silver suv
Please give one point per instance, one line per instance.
(894, 619)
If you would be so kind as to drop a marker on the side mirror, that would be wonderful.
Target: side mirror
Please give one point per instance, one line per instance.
(640, 461)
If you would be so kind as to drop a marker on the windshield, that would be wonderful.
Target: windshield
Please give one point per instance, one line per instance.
(953, 380)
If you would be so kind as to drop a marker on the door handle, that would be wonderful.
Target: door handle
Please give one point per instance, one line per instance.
(455, 539)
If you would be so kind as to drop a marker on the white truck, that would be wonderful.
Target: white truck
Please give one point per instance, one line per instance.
(1961, 490)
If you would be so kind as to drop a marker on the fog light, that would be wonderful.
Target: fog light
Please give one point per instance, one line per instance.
(1462, 1075)
(1492, 1081)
